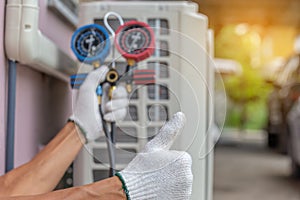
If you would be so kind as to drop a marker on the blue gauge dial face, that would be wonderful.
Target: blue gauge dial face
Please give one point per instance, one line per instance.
(90, 43)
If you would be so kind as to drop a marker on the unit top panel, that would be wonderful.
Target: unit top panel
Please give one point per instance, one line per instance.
(156, 6)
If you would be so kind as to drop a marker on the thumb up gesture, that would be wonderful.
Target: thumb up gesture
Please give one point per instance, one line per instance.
(157, 172)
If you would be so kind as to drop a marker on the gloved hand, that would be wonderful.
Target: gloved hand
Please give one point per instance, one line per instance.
(86, 110)
(157, 172)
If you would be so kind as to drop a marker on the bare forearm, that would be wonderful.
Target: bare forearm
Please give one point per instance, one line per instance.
(104, 190)
(45, 170)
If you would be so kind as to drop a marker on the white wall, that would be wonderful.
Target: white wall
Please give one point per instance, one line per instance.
(43, 103)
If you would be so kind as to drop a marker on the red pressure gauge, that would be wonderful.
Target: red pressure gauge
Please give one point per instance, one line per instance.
(135, 40)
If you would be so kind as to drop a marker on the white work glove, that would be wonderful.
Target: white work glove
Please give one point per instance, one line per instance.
(157, 172)
(86, 113)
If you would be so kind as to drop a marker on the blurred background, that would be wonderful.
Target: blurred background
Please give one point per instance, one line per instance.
(257, 155)
(257, 50)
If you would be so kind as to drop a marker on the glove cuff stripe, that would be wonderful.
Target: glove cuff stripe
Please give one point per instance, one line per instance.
(123, 185)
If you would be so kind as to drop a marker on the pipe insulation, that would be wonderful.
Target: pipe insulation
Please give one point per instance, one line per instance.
(25, 43)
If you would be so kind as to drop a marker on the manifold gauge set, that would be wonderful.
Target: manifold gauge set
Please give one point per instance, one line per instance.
(92, 44)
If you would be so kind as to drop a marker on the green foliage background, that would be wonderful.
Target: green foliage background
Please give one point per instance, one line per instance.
(247, 91)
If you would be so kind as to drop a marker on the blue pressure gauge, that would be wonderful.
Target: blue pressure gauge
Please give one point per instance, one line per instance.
(90, 43)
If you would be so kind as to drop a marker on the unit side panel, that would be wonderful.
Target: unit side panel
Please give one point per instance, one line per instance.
(194, 66)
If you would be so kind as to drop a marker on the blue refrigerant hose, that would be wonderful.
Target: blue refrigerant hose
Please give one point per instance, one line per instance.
(11, 101)
(76, 81)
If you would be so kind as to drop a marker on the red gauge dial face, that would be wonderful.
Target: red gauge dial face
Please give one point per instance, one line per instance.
(135, 40)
